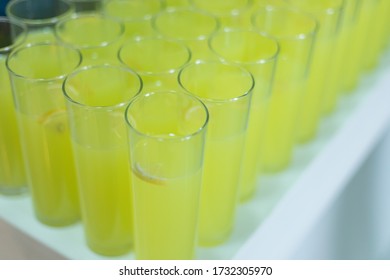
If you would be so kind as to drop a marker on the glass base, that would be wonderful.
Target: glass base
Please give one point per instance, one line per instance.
(59, 222)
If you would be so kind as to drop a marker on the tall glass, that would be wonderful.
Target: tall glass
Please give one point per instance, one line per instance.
(135, 14)
(377, 31)
(328, 15)
(231, 13)
(359, 49)
(384, 42)
(157, 60)
(96, 100)
(226, 90)
(40, 17)
(12, 175)
(258, 54)
(97, 37)
(37, 72)
(342, 52)
(192, 27)
(166, 135)
(295, 32)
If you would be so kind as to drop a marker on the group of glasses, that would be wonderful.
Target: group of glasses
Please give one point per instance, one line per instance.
(150, 120)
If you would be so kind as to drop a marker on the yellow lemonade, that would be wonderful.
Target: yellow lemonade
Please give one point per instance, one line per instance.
(105, 193)
(252, 161)
(280, 134)
(386, 33)
(284, 112)
(295, 31)
(262, 70)
(96, 98)
(378, 29)
(313, 97)
(328, 16)
(166, 206)
(219, 197)
(12, 175)
(48, 154)
(257, 54)
(36, 73)
(166, 137)
(342, 50)
(226, 89)
(360, 35)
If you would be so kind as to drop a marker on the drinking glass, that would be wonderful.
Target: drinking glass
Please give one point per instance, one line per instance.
(97, 37)
(96, 98)
(166, 136)
(342, 52)
(157, 60)
(360, 34)
(37, 72)
(258, 54)
(12, 175)
(226, 90)
(192, 27)
(40, 17)
(328, 15)
(135, 14)
(295, 32)
(378, 32)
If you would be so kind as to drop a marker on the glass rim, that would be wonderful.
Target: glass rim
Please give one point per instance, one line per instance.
(272, 39)
(152, 73)
(23, 32)
(128, 19)
(301, 36)
(246, 94)
(189, 136)
(44, 21)
(171, 10)
(102, 44)
(100, 107)
(36, 45)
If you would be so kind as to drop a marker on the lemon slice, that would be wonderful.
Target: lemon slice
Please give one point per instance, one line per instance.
(54, 120)
(141, 174)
